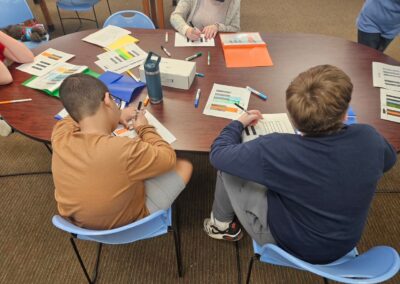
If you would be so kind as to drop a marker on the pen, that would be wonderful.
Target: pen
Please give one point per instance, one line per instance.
(242, 108)
(166, 51)
(146, 101)
(200, 75)
(259, 94)
(198, 54)
(15, 101)
(138, 109)
(209, 59)
(166, 37)
(197, 99)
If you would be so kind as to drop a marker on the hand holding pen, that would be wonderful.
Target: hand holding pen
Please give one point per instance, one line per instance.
(140, 118)
(250, 117)
(193, 33)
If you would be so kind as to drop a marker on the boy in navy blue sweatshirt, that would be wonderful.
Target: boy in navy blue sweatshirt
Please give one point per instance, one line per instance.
(308, 193)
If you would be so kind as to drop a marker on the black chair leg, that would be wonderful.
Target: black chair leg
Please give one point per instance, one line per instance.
(175, 230)
(59, 15)
(95, 272)
(250, 269)
(326, 281)
(95, 17)
(109, 8)
(174, 2)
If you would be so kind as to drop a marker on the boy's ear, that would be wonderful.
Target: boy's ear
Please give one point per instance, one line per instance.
(107, 99)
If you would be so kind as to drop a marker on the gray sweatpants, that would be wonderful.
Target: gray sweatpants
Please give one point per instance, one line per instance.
(161, 191)
(245, 199)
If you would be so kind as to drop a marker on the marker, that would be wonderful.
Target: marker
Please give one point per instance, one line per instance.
(259, 94)
(166, 37)
(15, 101)
(138, 109)
(146, 101)
(242, 108)
(194, 56)
(197, 99)
(209, 59)
(200, 75)
(166, 51)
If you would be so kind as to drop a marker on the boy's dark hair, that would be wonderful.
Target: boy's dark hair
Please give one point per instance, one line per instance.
(317, 99)
(82, 95)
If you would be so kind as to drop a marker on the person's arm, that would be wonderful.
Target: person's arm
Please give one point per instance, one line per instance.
(390, 156)
(179, 16)
(229, 155)
(233, 15)
(5, 75)
(15, 50)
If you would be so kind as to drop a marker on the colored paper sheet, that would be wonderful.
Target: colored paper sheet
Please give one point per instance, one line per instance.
(245, 50)
(127, 39)
(106, 36)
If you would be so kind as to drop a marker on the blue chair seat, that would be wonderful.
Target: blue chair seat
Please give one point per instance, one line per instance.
(130, 19)
(82, 7)
(154, 225)
(376, 265)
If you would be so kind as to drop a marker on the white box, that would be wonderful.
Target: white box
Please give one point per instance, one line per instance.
(174, 73)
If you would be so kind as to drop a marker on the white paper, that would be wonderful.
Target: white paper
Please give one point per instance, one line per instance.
(222, 99)
(386, 76)
(106, 36)
(181, 41)
(274, 122)
(390, 105)
(161, 129)
(61, 115)
(121, 59)
(242, 39)
(45, 61)
(53, 79)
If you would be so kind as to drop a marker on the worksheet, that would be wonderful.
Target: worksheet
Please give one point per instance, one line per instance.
(386, 76)
(45, 61)
(182, 41)
(106, 36)
(390, 105)
(222, 99)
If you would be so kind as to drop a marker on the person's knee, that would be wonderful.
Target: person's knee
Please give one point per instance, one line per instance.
(184, 168)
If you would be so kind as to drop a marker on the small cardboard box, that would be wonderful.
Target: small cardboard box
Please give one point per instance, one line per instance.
(174, 73)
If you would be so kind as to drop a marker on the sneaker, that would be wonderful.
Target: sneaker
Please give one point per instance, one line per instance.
(232, 233)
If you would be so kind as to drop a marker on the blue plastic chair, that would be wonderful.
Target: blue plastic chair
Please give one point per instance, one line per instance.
(14, 12)
(376, 265)
(154, 225)
(130, 19)
(78, 6)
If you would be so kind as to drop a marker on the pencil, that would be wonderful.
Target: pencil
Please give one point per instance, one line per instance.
(15, 101)
(146, 101)
(242, 108)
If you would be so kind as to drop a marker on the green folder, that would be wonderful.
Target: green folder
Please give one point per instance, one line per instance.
(56, 92)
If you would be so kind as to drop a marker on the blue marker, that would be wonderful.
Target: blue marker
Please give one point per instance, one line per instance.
(197, 99)
(259, 94)
(200, 75)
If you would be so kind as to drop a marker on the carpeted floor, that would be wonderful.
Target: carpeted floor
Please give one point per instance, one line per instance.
(33, 251)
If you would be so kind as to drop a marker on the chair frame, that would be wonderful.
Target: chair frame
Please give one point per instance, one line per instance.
(79, 18)
(174, 228)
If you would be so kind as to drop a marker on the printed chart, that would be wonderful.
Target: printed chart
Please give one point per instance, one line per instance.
(386, 76)
(45, 61)
(221, 102)
(390, 105)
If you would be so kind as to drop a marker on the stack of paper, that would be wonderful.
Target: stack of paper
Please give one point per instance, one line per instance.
(387, 77)
(182, 41)
(221, 102)
(245, 50)
(106, 36)
(121, 59)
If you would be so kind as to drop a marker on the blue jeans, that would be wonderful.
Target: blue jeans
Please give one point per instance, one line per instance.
(374, 40)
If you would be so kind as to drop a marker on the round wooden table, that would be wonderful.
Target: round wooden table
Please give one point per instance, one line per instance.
(291, 54)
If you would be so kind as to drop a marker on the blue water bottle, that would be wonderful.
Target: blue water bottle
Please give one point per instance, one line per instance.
(153, 79)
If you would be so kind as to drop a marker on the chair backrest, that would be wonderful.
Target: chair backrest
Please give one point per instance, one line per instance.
(14, 12)
(151, 226)
(130, 19)
(376, 265)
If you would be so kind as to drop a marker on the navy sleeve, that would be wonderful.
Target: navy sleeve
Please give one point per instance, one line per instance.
(229, 155)
(389, 156)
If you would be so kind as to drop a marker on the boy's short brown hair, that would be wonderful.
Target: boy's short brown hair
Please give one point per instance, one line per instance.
(82, 95)
(318, 99)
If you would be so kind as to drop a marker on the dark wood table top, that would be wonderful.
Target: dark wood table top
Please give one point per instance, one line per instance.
(291, 54)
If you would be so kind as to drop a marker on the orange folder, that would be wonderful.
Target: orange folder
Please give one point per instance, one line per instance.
(245, 50)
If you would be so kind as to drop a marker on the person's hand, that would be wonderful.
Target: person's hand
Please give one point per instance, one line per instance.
(139, 119)
(193, 34)
(210, 31)
(127, 114)
(251, 117)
